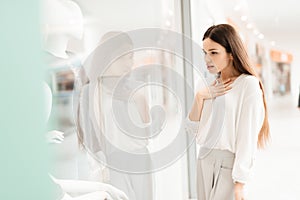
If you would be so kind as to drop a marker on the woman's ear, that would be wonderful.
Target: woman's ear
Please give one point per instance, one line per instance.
(230, 56)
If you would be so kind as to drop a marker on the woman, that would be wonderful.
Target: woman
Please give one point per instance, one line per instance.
(236, 101)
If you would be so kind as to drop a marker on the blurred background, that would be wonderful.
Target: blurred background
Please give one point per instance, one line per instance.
(71, 29)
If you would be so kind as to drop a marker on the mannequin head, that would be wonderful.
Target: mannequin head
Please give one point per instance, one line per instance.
(61, 21)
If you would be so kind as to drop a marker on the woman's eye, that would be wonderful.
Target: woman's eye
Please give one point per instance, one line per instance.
(214, 52)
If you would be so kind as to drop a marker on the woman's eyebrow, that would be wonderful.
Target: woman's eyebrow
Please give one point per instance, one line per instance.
(210, 50)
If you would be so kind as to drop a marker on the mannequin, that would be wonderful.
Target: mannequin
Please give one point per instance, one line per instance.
(84, 190)
(61, 21)
(57, 29)
(60, 26)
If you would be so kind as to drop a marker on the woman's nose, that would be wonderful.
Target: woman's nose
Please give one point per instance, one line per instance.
(207, 58)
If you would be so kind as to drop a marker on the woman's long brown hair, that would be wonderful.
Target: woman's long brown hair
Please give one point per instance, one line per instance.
(226, 36)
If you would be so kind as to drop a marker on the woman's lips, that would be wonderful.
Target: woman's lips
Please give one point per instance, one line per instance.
(210, 66)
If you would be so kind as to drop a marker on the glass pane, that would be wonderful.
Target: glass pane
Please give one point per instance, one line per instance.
(82, 49)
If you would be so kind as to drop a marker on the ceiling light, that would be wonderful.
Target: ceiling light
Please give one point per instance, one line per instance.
(244, 18)
(261, 36)
(273, 43)
(249, 26)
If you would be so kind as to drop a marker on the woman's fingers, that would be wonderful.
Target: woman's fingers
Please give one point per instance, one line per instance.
(222, 89)
(214, 83)
(227, 81)
(228, 84)
(224, 85)
(216, 89)
(220, 82)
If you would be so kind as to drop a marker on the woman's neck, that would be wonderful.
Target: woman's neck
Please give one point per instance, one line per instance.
(229, 73)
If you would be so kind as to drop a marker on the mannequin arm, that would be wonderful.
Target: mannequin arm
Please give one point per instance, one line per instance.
(85, 187)
(99, 195)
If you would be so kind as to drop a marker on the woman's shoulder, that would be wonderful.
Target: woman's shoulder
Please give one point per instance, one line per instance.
(250, 80)
(249, 77)
(251, 83)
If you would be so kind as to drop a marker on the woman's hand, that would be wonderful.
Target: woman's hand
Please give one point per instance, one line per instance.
(214, 90)
(239, 191)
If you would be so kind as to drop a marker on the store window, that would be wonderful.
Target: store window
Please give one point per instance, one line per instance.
(72, 35)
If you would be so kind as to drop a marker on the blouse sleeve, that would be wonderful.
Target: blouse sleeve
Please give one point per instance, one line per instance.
(248, 128)
(191, 126)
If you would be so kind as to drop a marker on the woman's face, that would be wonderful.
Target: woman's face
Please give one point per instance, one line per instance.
(216, 57)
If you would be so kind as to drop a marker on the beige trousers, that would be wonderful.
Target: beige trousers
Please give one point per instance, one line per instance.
(214, 179)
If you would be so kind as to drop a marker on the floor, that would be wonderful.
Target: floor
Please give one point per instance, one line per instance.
(276, 173)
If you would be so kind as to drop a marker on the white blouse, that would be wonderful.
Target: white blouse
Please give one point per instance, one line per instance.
(232, 122)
